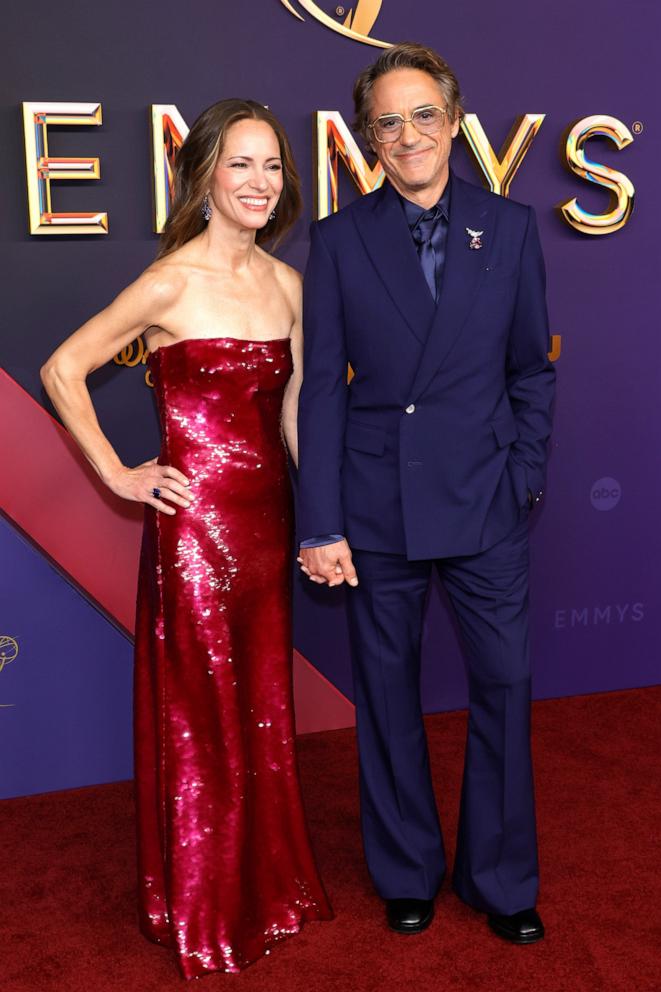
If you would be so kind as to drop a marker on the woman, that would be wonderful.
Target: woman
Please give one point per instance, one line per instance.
(225, 866)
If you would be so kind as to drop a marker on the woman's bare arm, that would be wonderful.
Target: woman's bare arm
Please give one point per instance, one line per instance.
(290, 401)
(64, 375)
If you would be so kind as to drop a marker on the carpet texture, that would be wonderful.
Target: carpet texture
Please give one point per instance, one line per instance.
(67, 887)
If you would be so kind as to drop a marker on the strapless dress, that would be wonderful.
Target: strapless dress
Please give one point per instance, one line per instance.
(226, 868)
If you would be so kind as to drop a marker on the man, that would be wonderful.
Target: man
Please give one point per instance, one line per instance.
(434, 291)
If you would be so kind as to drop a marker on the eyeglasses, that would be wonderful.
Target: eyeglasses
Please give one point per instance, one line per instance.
(426, 120)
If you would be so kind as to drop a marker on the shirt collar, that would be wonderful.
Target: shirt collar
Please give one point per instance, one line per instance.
(414, 212)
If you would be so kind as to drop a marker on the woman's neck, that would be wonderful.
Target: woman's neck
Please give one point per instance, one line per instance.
(228, 245)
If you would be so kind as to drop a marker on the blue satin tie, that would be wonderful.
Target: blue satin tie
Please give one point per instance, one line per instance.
(422, 235)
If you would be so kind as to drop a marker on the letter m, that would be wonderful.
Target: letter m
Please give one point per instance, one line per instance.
(168, 132)
(602, 616)
(334, 142)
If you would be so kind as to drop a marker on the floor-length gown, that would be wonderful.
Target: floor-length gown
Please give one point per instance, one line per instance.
(225, 865)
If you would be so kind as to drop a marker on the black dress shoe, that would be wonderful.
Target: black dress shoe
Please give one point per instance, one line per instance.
(524, 927)
(409, 915)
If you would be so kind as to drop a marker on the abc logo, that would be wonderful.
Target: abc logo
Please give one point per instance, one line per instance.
(605, 494)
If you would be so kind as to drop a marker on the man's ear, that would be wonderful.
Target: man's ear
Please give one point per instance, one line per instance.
(369, 145)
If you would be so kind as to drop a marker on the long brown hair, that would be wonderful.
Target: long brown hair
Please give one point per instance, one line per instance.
(196, 161)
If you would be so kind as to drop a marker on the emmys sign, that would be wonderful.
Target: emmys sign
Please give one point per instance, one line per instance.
(333, 144)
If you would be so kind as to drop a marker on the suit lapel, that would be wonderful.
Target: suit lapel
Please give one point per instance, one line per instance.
(470, 207)
(383, 230)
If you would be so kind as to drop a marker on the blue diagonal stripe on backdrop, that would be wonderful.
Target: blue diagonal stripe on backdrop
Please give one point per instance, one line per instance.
(66, 696)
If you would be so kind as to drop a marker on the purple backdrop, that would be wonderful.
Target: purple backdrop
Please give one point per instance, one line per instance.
(595, 547)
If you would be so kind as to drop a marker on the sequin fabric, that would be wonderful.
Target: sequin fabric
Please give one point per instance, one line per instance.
(225, 865)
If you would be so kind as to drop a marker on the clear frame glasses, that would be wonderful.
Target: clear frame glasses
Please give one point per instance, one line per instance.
(426, 120)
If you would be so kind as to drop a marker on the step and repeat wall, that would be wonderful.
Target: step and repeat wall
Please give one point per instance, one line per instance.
(561, 114)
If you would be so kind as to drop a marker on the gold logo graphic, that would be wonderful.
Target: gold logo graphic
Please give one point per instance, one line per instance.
(8, 653)
(134, 354)
(8, 650)
(357, 24)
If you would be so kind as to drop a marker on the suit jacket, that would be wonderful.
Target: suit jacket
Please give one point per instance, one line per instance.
(433, 447)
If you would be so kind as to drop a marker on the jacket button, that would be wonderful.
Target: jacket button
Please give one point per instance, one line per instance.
(410, 408)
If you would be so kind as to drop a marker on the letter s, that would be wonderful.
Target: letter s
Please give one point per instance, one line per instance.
(621, 187)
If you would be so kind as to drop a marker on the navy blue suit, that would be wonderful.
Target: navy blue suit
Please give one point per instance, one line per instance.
(427, 460)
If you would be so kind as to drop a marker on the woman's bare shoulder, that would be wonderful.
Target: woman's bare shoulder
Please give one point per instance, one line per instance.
(164, 280)
(289, 278)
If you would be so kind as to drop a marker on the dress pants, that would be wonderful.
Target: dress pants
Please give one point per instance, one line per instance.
(496, 860)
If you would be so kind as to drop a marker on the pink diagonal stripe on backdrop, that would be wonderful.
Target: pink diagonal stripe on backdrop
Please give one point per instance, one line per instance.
(51, 493)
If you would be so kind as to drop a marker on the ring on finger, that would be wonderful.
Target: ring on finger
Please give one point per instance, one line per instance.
(156, 492)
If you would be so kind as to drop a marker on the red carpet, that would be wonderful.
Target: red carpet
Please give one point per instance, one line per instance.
(67, 886)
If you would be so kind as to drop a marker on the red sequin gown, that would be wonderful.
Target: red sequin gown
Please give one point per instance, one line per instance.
(225, 865)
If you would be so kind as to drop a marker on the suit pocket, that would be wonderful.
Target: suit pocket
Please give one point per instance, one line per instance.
(505, 430)
(362, 437)
(500, 280)
(496, 273)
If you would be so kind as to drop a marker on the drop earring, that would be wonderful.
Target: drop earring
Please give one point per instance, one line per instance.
(272, 217)
(206, 209)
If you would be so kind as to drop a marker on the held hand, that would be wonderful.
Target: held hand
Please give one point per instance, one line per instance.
(331, 564)
(139, 483)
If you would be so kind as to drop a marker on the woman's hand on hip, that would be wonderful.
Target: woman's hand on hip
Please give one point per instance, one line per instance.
(153, 484)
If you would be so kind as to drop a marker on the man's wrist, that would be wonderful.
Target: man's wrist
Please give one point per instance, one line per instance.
(321, 541)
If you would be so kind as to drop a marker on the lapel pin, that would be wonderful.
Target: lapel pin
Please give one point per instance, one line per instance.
(475, 238)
